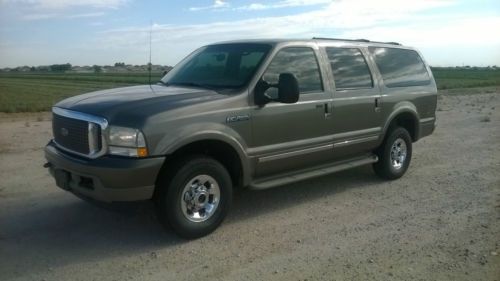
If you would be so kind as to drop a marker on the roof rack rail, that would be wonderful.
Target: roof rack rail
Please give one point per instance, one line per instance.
(356, 40)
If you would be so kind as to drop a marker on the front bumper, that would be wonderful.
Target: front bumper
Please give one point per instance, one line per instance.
(105, 178)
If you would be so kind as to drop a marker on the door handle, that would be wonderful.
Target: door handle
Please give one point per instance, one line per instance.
(377, 104)
(328, 110)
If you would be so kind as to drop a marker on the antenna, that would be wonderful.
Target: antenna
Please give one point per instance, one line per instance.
(150, 66)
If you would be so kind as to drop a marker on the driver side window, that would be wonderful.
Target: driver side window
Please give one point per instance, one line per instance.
(301, 62)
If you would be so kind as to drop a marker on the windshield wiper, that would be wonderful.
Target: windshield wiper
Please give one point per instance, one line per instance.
(163, 83)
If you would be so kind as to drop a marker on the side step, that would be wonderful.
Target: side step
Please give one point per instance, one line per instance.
(311, 173)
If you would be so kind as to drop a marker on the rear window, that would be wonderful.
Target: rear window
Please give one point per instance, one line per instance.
(349, 67)
(400, 67)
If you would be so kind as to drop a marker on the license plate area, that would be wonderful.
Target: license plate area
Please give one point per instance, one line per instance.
(62, 178)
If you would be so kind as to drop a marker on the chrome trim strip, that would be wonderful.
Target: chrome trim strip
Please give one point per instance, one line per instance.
(308, 173)
(81, 116)
(92, 129)
(295, 153)
(354, 141)
(72, 151)
(92, 137)
(425, 120)
(318, 141)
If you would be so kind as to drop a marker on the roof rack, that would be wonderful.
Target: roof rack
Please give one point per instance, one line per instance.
(356, 40)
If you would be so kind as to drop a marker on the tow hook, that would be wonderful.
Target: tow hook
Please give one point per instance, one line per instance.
(47, 165)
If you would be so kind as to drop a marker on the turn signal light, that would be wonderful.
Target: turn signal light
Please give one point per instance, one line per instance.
(142, 152)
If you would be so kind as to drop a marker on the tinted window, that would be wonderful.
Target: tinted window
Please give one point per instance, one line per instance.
(400, 67)
(350, 70)
(299, 61)
(223, 65)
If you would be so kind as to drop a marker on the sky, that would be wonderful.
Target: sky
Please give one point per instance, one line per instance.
(43, 32)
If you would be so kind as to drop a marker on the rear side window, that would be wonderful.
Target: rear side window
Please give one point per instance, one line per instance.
(300, 61)
(349, 67)
(400, 67)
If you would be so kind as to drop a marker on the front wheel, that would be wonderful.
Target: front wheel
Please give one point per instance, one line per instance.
(197, 197)
(394, 154)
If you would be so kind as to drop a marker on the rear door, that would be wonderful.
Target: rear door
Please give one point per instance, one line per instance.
(356, 121)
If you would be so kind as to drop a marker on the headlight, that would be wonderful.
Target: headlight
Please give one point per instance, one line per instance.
(127, 142)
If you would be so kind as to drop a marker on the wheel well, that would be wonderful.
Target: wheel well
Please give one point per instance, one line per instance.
(408, 121)
(219, 150)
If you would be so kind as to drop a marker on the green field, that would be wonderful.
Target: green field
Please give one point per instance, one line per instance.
(27, 92)
(32, 92)
(451, 78)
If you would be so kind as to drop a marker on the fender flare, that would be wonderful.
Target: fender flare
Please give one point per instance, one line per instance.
(213, 135)
(403, 108)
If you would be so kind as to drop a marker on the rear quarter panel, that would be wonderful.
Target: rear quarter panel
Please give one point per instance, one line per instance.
(421, 101)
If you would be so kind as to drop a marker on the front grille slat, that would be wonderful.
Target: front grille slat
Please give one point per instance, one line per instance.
(72, 134)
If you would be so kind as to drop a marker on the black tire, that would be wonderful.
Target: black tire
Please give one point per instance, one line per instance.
(170, 198)
(385, 168)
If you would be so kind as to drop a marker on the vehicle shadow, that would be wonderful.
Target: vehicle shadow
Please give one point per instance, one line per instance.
(249, 203)
(60, 229)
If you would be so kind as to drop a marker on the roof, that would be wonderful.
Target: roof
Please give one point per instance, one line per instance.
(314, 39)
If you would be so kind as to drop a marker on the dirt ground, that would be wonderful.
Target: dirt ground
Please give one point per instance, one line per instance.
(441, 221)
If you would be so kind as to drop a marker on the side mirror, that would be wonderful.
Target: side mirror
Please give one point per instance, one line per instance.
(288, 90)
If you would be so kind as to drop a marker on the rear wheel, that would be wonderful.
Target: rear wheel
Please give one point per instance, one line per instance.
(196, 198)
(394, 154)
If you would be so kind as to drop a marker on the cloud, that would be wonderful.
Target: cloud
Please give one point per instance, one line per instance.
(430, 25)
(450, 32)
(86, 15)
(36, 10)
(335, 17)
(96, 23)
(282, 4)
(408, 22)
(217, 5)
(45, 16)
(63, 4)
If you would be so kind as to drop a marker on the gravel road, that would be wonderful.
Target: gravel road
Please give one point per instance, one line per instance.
(441, 221)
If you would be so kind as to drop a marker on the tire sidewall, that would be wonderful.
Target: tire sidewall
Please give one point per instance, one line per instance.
(172, 207)
(405, 136)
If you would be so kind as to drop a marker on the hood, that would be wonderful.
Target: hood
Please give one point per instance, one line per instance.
(137, 100)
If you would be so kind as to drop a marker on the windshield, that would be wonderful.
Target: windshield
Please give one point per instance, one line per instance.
(218, 66)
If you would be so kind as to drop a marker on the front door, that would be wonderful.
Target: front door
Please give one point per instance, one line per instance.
(292, 136)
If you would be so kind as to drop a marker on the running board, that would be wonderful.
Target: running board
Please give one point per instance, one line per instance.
(312, 173)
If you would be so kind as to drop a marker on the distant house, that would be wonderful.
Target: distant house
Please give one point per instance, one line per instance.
(23, 69)
(81, 69)
(122, 68)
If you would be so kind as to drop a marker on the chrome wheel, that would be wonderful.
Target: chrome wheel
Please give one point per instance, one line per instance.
(398, 153)
(200, 198)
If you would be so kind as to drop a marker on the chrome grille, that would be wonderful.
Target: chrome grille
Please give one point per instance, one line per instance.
(78, 133)
(71, 133)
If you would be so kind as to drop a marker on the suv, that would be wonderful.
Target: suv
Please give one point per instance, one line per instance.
(252, 114)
